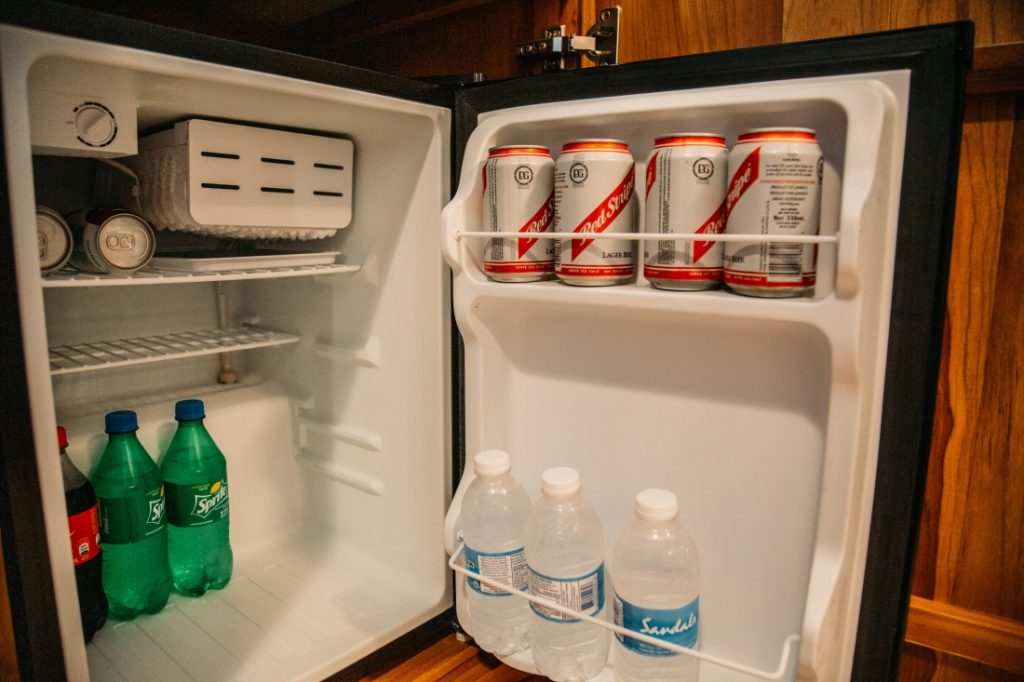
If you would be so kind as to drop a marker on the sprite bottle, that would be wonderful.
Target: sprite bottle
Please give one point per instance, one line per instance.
(133, 527)
(196, 480)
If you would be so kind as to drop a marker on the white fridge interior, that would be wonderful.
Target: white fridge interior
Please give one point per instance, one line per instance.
(336, 437)
(762, 415)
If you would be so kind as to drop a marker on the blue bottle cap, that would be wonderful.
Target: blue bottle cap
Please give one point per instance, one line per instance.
(122, 421)
(189, 410)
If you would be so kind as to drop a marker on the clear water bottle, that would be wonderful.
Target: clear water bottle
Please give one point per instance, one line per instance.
(133, 525)
(565, 555)
(196, 480)
(84, 529)
(656, 574)
(494, 513)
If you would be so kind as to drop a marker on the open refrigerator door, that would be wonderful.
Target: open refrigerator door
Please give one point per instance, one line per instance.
(765, 416)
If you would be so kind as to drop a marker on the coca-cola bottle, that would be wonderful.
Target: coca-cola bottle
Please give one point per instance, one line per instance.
(84, 528)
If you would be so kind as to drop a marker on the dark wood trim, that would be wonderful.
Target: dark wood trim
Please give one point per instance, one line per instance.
(997, 68)
(991, 640)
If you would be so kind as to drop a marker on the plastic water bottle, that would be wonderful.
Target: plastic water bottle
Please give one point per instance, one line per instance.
(84, 528)
(565, 555)
(196, 480)
(133, 527)
(494, 513)
(656, 574)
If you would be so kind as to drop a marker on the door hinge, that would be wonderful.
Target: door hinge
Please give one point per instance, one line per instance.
(600, 45)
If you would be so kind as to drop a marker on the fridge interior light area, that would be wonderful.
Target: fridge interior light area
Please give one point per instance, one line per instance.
(764, 416)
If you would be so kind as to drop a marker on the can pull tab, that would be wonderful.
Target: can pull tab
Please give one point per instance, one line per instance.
(600, 45)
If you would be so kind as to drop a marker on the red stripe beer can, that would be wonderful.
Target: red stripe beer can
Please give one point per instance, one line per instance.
(594, 188)
(685, 194)
(519, 197)
(774, 188)
(110, 241)
(55, 240)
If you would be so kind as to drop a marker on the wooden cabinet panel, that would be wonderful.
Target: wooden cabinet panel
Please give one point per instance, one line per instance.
(811, 19)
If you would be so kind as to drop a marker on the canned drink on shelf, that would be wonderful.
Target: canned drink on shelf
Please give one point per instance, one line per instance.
(686, 179)
(54, 240)
(110, 241)
(594, 188)
(519, 197)
(774, 188)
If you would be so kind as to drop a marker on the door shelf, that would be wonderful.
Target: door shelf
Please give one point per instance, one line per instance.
(84, 357)
(151, 275)
(780, 671)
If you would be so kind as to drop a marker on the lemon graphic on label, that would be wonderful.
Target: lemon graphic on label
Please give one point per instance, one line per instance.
(214, 488)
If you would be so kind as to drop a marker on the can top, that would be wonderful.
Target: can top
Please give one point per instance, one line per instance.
(687, 139)
(778, 135)
(491, 463)
(125, 240)
(596, 145)
(54, 239)
(519, 150)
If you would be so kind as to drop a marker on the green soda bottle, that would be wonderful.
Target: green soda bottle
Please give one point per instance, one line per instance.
(196, 479)
(133, 526)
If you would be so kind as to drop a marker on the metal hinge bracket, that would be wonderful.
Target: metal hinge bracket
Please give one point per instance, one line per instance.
(600, 45)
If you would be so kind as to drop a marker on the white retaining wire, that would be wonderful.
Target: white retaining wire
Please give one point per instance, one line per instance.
(776, 674)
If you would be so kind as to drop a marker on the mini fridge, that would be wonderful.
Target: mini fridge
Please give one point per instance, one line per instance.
(373, 357)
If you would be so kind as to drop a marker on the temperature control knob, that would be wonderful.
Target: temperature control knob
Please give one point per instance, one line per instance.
(95, 124)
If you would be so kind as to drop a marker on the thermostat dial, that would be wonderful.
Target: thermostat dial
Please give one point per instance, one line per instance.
(95, 124)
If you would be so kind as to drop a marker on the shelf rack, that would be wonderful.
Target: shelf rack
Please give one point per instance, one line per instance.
(69, 278)
(777, 674)
(84, 357)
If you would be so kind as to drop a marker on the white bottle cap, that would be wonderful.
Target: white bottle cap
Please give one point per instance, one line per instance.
(491, 463)
(655, 504)
(560, 482)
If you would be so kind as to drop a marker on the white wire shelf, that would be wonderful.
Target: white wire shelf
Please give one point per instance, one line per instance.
(658, 236)
(150, 275)
(85, 357)
(777, 674)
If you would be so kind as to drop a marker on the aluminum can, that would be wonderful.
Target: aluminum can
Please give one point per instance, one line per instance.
(774, 188)
(519, 197)
(686, 180)
(110, 241)
(594, 188)
(54, 240)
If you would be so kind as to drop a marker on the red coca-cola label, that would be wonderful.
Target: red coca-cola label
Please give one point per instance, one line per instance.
(84, 529)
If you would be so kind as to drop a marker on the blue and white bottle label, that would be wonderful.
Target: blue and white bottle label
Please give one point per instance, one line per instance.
(584, 593)
(508, 568)
(678, 626)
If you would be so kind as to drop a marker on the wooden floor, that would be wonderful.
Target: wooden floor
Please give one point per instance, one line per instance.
(447, 659)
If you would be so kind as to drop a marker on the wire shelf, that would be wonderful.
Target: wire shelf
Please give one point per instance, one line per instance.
(85, 357)
(151, 275)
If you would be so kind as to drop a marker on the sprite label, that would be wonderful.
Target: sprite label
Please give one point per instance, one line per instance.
(128, 519)
(197, 504)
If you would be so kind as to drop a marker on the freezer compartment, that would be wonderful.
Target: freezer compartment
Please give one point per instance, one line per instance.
(329, 433)
(762, 415)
